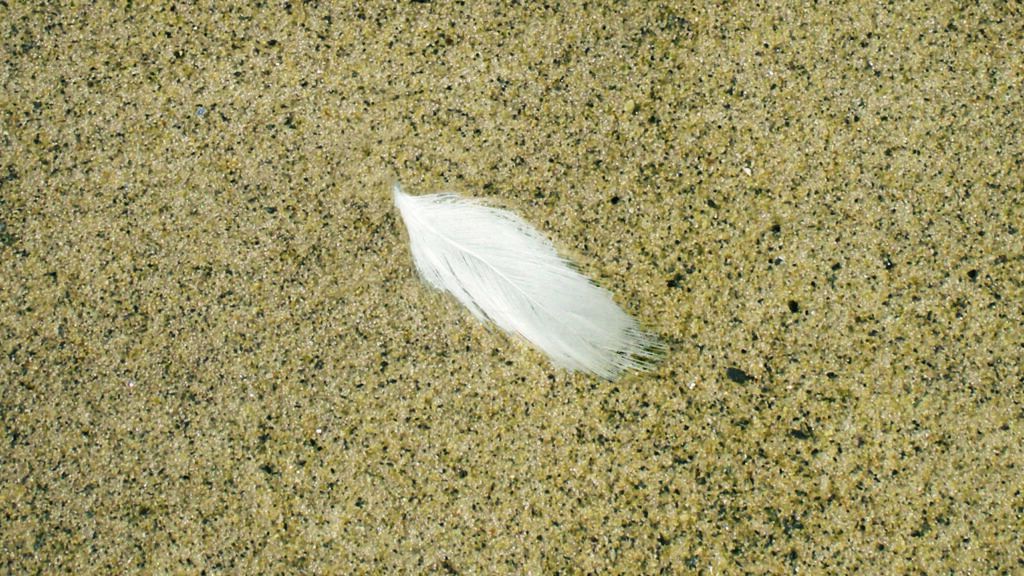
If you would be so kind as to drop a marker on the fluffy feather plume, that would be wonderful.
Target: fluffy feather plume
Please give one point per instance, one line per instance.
(506, 272)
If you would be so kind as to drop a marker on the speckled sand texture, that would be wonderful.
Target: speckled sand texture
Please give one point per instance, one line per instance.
(215, 356)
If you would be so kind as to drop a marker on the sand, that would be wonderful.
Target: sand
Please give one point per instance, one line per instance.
(216, 357)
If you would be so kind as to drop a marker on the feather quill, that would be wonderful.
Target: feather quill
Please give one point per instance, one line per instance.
(508, 273)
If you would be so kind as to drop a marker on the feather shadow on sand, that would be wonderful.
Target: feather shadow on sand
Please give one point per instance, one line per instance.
(508, 273)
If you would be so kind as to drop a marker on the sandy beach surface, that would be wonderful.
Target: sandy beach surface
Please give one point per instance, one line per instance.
(216, 356)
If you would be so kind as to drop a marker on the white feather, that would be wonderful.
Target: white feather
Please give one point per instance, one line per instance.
(506, 272)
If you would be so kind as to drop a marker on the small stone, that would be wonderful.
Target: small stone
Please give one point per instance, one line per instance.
(736, 375)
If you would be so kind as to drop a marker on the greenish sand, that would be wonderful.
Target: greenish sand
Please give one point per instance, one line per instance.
(215, 356)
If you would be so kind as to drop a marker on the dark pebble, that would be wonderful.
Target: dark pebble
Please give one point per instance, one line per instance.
(736, 375)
